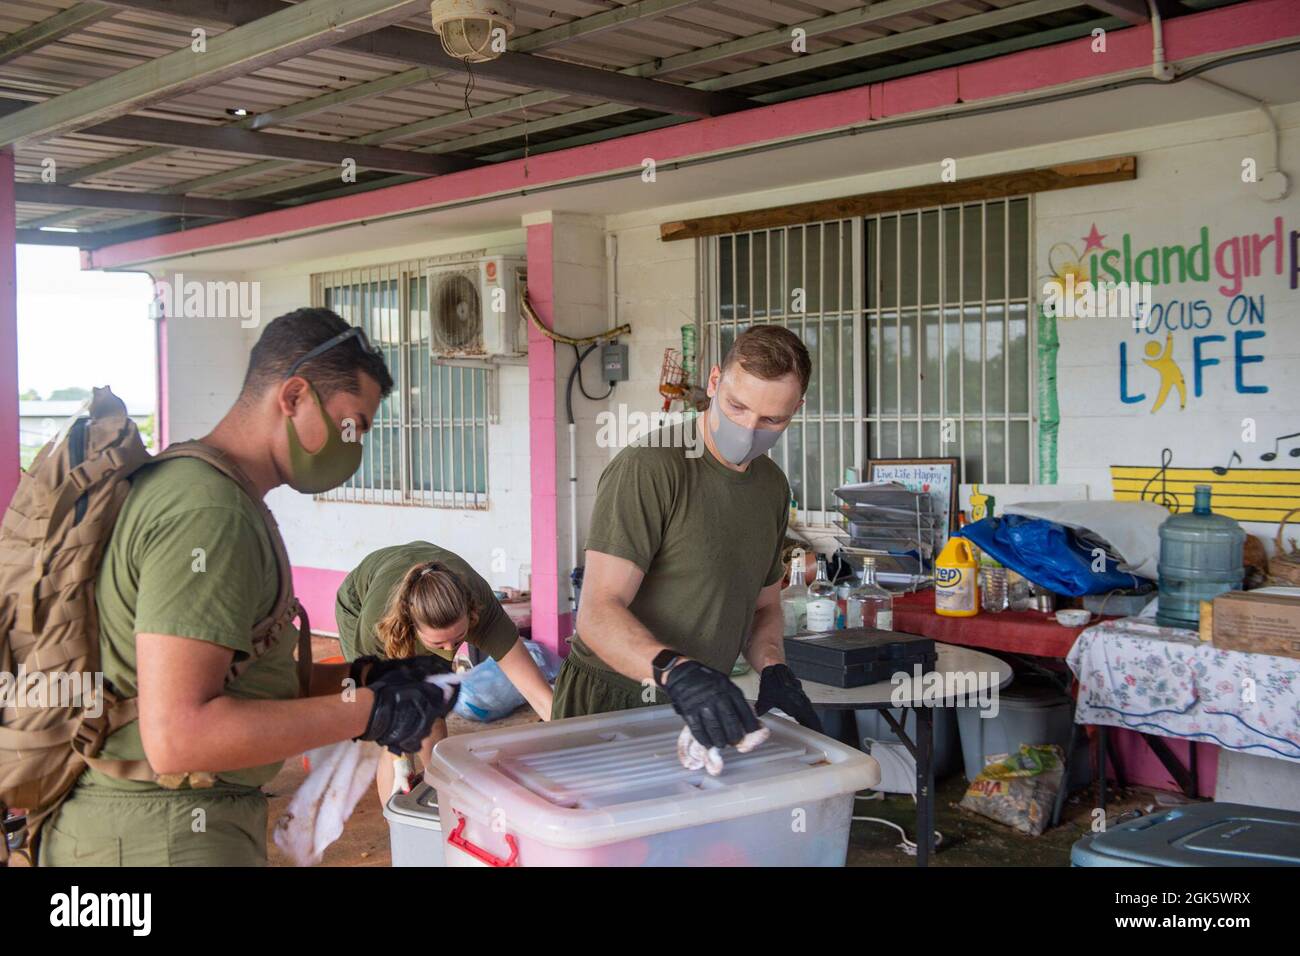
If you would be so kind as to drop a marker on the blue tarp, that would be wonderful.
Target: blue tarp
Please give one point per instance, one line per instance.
(1047, 554)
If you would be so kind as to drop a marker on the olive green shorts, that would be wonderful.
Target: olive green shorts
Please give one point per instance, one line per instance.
(212, 827)
(582, 689)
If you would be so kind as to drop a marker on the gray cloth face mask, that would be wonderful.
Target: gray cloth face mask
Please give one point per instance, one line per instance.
(737, 444)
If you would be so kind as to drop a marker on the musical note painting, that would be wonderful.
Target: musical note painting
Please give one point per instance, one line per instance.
(1240, 492)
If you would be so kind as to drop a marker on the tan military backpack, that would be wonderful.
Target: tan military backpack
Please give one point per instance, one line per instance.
(52, 540)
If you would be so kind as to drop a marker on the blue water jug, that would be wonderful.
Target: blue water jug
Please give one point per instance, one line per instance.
(1200, 557)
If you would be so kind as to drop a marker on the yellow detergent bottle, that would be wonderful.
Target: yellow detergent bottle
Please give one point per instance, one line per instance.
(956, 580)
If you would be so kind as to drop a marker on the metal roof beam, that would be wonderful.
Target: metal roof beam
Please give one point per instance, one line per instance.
(893, 41)
(862, 16)
(243, 142)
(289, 32)
(105, 237)
(517, 69)
(629, 15)
(50, 194)
(542, 39)
(52, 29)
(1134, 12)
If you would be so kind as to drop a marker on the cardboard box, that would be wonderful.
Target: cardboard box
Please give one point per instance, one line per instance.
(1257, 623)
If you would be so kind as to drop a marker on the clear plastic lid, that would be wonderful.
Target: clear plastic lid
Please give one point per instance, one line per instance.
(609, 777)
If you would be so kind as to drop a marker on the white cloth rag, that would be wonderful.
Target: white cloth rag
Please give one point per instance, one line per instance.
(694, 755)
(340, 774)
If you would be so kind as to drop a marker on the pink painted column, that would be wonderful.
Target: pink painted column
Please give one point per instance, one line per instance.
(542, 426)
(10, 462)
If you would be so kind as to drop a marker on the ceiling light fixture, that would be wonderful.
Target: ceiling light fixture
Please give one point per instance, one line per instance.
(473, 30)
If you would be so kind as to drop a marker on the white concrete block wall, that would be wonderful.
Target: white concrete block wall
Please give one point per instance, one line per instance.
(1180, 189)
(1188, 176)
(580, 308)
(206, 359)
(206, 366)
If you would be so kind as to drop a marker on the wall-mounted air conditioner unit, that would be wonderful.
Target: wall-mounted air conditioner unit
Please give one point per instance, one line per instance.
(474, 308)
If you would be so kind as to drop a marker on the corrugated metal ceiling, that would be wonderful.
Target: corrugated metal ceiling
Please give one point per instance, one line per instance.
(741, 46)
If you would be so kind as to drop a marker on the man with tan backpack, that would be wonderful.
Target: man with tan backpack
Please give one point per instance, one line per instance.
(168, 576)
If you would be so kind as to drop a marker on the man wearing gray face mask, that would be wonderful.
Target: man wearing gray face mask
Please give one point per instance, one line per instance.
(683, 563)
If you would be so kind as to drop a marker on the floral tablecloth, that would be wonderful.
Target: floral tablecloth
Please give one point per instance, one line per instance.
(1133, 673)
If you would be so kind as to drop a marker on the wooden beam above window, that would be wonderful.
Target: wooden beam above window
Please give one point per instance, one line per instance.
(998, 186)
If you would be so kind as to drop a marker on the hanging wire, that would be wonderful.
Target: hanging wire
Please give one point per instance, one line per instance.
(469, 87)
(578, 356)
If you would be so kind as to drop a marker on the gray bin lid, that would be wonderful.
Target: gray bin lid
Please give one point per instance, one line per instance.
(418, 808)
(1203, 834)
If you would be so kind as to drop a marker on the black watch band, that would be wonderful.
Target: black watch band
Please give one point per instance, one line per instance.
(663, 662)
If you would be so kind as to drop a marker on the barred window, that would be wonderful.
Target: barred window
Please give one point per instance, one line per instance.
(919, 328)
(428, 442)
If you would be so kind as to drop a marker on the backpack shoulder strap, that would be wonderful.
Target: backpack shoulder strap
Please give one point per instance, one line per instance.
(286, 607)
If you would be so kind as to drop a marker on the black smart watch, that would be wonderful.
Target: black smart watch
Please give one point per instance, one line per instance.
(663, 662)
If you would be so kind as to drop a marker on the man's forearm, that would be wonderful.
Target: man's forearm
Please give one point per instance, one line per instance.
(619, 639)
(767, 638)
(231, 733)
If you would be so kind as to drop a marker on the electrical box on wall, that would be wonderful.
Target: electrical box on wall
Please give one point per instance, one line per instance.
(613, 362)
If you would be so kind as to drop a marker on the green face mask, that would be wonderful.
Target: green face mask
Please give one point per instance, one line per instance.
(337, 460)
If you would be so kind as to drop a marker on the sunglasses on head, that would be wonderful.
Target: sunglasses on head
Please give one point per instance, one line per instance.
(356, 332)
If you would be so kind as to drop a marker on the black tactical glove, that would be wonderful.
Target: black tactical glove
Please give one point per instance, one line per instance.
(405, 710)
(778, 687)
(366, 670)
(712, 706)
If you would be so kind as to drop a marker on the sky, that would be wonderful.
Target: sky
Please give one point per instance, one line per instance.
(82, 329)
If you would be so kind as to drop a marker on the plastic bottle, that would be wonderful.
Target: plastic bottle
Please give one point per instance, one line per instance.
(794, 597)
(993, 585)
(956, 585)
(821, 601)
(1200, 557)
(870, 605)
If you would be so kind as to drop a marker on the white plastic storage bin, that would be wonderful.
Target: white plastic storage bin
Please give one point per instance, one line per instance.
(414, 832)
(608, 790)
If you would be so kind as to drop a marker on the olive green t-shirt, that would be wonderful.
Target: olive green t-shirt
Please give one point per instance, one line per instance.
(363, 599)
(707, 538)
(189, 556)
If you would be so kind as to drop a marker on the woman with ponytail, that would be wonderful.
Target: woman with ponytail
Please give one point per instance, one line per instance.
(419, 600)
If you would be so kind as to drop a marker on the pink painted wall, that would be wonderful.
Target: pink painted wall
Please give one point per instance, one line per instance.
(548, 627)
(1141, 767)
(315, 588)
(10, 462)
(1212, 31)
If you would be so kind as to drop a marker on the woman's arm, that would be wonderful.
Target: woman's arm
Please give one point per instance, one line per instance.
(384, 772)
(519, 666)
